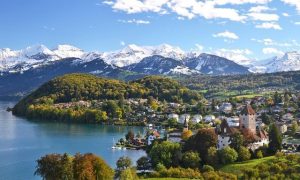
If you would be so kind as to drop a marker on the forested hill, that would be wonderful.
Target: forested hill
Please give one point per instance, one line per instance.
(232, 85)
(76, 87)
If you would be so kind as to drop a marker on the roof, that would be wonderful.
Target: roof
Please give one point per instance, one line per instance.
(262, 134)
(248, 110)
(229, 130)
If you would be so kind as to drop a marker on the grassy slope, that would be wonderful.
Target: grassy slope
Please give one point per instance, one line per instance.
(166, 179)
(237, 167)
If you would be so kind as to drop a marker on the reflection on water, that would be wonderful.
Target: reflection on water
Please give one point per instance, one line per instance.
(22, 142)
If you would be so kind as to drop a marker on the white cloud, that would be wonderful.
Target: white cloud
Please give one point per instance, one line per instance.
(272, 51)
(271, 42)
(106, 2)
(135, 21)
(186, 8)
(269, 25)
(199, 47)
(226, 35)
(295, 3)
(49, 28)
(285, 14)
(297, 23)
(258, 9)
(259, 16)
(239, 2)
(208, 9)
(237, 55)
(122, 43)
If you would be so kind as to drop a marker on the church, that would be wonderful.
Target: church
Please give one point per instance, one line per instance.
(254, 136)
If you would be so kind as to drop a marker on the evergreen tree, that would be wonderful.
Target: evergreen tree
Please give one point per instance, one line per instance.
(275, 138)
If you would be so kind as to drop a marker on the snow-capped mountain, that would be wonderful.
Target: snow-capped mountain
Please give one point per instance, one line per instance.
(133, 54)
(19, 84)
(211, 64)
(35, 56)
(290, 61)
(160, 65)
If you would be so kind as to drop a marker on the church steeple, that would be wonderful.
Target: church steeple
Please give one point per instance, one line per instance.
(185, 125)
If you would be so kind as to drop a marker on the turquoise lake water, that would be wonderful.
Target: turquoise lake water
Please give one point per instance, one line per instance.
(23, 141)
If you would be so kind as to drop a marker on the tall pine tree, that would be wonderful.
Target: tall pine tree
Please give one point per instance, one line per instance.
(275, 138)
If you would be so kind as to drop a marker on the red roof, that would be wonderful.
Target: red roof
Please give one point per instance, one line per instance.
(248, 110)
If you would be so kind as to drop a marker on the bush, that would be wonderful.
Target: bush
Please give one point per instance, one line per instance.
(259, 154)
(244, 154)
(178, 173)
(227, 155)
(191, 160)
(207, 168)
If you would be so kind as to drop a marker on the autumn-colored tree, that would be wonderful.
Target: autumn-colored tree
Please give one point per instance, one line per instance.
(186, 134)
(90, 166)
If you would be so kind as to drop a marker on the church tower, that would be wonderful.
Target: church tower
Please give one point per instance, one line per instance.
(186, 125)
(248, 119)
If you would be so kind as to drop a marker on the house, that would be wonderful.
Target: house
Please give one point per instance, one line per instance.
(173, 116)
(233, 121)
(282, 127)
(183, 118)
(174, 136)
(288, 117)
(196, 118)
(152, 136)
(226, 108)
(224, 134)
(209, 118)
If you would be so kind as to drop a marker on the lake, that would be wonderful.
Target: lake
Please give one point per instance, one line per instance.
(22, 142)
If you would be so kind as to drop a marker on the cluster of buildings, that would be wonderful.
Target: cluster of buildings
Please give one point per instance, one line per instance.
(246, 125)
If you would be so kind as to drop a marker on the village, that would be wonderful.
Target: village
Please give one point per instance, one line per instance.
(250, 117)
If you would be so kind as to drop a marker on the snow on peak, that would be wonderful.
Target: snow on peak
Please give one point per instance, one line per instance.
(132, 54)
(34, 50)
(6, 53)
(169, 51)
(67, 51)
(290, 61)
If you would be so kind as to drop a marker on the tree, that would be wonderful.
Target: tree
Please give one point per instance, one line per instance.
(90, 166)
(128, 174)
(295, 127)
(186, 134)
(143, 163)
(130, 135)
(172, 122)
(275, 138)
(49, 167)
(277, 98)
(153, 103)
(244, 154)
(201, 142)
(259, 154)
(87, 166)
(227, 155)
(237, 141)
(123, 163)
(266, 119)
(212, 156)
(67, 166)
(208, 168)
(191, 160)
(166, 153)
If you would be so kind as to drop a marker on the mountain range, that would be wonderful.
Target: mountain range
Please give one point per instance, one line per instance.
(23, 70)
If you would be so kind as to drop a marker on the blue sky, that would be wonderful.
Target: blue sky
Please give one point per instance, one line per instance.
(232, 28)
